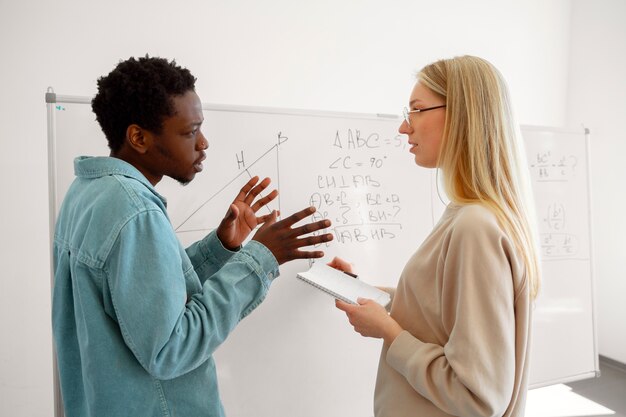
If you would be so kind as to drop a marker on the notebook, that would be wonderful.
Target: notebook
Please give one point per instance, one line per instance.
(341, 285)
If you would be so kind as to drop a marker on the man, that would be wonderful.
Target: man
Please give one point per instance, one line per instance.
(136, 317)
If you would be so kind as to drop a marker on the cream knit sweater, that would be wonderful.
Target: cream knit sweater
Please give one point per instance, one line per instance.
(465, 307)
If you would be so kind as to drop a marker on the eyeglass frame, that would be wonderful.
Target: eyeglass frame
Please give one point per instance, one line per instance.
(406, 112)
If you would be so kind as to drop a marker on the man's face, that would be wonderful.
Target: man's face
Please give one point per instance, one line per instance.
(178, 151)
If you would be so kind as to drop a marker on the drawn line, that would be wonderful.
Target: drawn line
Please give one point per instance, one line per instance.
(278, 168)
(223, 188)
(208, 229)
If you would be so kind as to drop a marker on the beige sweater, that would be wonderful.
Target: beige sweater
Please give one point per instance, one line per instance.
(465, 307)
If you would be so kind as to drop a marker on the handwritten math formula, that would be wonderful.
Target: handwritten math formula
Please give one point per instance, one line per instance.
(548, 166)
(558, 169)
(355, 189)
(557, 242)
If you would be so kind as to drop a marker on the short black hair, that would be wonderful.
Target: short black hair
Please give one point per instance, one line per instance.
(138, 91)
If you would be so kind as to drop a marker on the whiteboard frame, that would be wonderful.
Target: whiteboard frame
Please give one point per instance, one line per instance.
(52, 198)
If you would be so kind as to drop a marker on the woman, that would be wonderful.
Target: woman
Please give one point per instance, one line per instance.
(457, 338)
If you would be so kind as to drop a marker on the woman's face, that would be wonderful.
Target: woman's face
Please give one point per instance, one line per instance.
(425, 130)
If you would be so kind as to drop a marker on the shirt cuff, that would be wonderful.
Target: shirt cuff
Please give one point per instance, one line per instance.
(212, 248)
(265, 259)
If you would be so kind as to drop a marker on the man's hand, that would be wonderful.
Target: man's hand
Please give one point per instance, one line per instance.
(285, 242)
(241, 218)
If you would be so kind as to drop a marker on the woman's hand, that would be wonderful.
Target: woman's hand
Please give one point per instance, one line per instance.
(341, 265)
(370, 319)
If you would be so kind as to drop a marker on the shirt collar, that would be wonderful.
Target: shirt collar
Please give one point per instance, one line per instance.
(100, 166)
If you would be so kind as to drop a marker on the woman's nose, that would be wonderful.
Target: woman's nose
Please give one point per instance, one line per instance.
(404, 128)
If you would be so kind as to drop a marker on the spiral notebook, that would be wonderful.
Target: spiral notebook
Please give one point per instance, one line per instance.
(341, 285)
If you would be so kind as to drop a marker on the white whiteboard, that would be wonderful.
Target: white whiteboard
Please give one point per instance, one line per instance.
(297, 354)
(564, 337)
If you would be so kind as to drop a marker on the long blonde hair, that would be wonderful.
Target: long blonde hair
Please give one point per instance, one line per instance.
(482, 158)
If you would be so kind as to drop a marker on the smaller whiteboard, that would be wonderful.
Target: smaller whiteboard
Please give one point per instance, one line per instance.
(564, 339)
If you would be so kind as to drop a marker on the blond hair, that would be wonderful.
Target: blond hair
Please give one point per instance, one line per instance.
(482, 158)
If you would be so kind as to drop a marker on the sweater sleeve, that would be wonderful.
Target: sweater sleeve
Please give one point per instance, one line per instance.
(473, 373)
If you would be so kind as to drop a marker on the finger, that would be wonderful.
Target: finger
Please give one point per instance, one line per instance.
(312, 240)
(297, 216)
(264, 218)
(232, 213)
(363, 301)
(335, 263)
(300, 254)
(311, 227)
(255, 191)
(246, 188)
(263, 201)
(269, 219)
(342, 264)
(343, 306)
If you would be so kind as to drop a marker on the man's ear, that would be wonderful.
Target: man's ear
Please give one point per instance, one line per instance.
(138, 138)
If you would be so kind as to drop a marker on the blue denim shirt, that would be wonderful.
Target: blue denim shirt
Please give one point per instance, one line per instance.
(135, 316)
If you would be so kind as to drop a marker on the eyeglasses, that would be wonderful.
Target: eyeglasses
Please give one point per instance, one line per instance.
(406, 112)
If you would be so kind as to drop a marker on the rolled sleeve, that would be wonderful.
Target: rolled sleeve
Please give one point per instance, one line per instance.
(208, 255)
(267, 264)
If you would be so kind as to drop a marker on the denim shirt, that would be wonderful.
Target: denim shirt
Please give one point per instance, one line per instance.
(135, 316)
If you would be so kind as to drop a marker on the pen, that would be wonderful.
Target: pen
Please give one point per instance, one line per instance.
(351, 274)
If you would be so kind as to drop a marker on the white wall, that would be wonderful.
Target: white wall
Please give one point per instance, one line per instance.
(346, 56)
(597, 99)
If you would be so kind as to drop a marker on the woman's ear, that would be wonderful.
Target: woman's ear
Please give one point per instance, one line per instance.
(138, 138)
